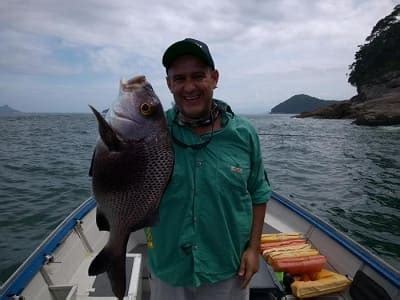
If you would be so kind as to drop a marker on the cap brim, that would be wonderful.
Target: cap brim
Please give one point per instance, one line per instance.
(182, 48)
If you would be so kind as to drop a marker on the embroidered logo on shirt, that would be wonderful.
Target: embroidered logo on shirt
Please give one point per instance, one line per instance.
(236, 170)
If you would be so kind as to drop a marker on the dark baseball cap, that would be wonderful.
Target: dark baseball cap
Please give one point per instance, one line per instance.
(188, 46)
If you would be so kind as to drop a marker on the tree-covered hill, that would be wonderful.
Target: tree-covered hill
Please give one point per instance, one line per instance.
(381, 52)
(300, 103)
(376, 74)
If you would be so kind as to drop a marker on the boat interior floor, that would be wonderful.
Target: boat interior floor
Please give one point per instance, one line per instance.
(263, 285)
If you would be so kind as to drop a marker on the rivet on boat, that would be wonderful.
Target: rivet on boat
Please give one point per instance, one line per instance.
(48, 259)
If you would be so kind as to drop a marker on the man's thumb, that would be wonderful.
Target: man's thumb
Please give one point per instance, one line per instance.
(242, 268)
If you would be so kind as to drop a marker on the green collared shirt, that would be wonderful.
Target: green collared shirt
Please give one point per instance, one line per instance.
(206, 211)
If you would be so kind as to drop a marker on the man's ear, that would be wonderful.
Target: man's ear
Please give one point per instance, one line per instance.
(167, 79)
(215, 77)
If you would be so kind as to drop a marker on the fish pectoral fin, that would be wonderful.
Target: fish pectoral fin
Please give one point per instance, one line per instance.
(107, 133)
(101, 221)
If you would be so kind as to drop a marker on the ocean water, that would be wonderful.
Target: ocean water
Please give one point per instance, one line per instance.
(347, 175)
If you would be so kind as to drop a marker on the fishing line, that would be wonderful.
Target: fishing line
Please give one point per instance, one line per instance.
(282, 142)
(303, 135)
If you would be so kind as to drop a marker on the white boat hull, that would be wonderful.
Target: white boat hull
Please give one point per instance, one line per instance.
(58, 267)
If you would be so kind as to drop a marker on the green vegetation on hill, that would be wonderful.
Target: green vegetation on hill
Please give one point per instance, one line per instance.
(300, 103)
(376, 74)
(381, 52)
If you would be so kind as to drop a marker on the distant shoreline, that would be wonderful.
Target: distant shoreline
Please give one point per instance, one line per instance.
(42, 113)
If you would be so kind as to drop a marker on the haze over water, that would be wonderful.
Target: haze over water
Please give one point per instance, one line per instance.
(345, 174)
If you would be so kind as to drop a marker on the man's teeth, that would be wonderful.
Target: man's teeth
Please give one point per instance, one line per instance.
(191, 97)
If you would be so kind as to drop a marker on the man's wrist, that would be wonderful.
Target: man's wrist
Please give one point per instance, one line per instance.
(254, 246)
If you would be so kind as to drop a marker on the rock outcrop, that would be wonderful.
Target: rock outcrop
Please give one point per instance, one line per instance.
(341, 110)
(384, 111)
(377, 103)
(386, 85)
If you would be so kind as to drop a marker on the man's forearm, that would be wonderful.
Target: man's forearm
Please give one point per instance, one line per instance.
(257, 226)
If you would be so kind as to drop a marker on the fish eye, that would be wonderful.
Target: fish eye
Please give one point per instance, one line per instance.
(146, 109)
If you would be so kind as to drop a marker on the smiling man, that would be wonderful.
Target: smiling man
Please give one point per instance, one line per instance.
(206, 243)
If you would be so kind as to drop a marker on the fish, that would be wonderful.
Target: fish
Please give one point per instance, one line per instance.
(131, 167)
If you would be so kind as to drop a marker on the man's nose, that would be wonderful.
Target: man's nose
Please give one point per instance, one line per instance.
(189, 86)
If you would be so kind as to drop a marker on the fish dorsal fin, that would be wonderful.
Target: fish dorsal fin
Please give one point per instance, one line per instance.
(133, 83)
(107, 134)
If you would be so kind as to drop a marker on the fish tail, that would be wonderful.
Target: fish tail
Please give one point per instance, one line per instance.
(101, 263)
(114, 265)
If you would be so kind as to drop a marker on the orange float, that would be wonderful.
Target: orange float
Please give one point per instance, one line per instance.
(325, 282)
(299, 265)
(266, 246)
(278, 237)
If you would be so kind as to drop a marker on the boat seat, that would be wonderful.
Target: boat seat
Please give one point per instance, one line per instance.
(102, 288)
(142, 249)
(365, 288)
(63, 292)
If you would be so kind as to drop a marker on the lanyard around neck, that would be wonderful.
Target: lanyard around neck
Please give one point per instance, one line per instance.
(193, 146)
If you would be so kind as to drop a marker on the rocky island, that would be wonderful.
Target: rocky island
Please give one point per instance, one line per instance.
(376, 74)
(300, 103)
(6, 110)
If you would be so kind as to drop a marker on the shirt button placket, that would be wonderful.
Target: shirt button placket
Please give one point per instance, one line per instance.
(195, 248)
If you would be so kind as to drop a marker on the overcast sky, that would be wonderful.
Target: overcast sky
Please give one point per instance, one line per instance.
(60, 56)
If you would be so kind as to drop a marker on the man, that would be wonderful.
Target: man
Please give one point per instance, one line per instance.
(206, 244)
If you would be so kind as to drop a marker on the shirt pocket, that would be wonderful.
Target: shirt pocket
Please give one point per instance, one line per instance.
(232, 175)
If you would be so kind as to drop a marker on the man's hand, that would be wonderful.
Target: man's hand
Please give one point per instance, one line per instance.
(249, 265)
(250, 258)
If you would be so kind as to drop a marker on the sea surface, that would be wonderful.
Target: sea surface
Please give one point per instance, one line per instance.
(347, 175)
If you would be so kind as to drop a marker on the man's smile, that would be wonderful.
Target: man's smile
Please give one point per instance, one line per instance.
(191, 98)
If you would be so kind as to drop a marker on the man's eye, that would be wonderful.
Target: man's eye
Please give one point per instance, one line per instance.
(199, 76)
(179, 79)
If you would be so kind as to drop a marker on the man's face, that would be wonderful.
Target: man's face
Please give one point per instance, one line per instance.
(192, 84)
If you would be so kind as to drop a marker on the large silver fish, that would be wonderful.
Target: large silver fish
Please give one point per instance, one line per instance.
(131, 166)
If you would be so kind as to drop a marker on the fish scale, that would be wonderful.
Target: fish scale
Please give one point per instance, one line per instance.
(131, 167)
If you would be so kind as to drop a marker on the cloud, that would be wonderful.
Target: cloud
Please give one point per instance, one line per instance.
(265, 50)
(25, 54)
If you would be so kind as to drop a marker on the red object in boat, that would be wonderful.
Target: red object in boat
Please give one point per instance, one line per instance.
(300, 265)
(265, 246)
